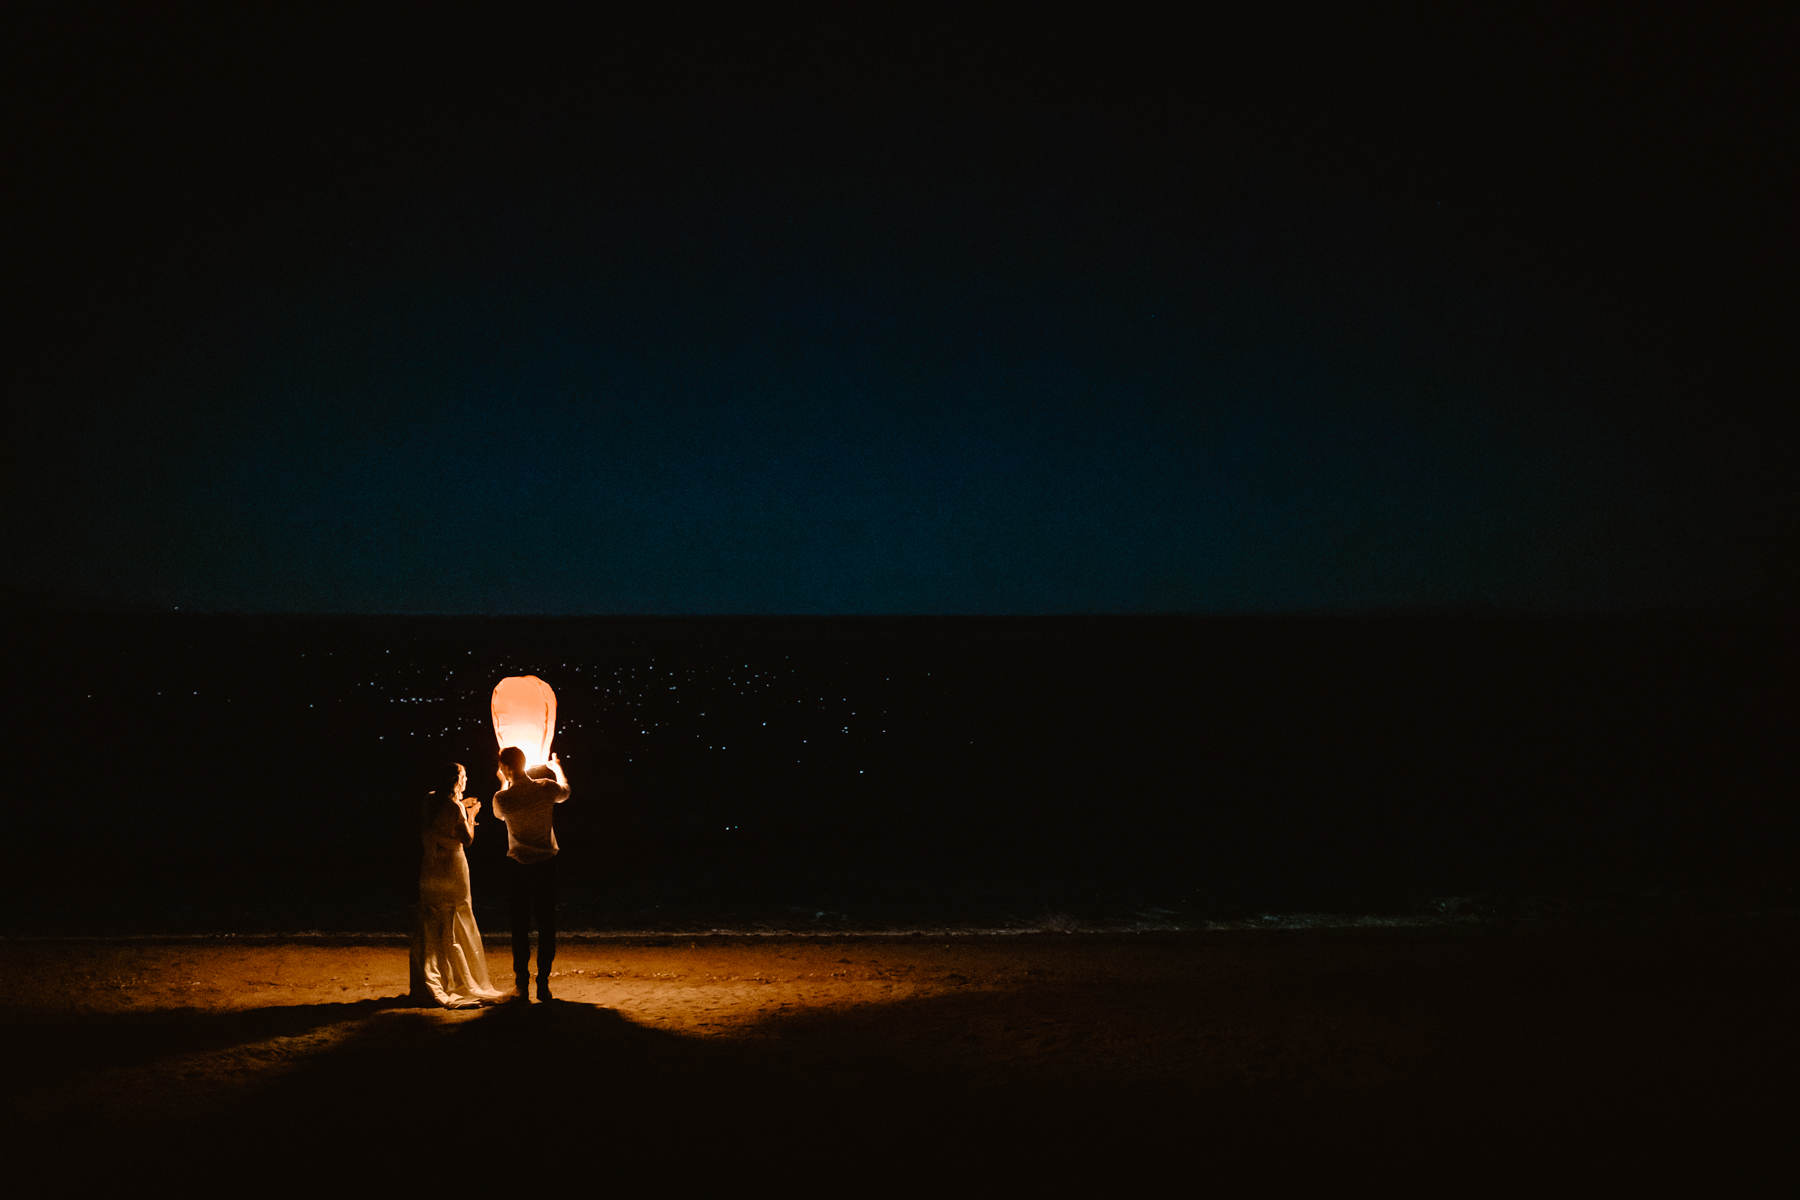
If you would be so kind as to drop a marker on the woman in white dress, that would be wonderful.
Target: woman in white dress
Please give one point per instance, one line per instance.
(449, 966)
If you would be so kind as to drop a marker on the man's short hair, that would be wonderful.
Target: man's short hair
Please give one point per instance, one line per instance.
(513, 758)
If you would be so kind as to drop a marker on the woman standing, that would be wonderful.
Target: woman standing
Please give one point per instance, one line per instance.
(449, 966)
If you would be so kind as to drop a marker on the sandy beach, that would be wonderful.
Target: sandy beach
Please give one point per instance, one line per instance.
(1404, 1052)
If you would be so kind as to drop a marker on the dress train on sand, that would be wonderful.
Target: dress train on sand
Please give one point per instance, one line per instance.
(449, 966)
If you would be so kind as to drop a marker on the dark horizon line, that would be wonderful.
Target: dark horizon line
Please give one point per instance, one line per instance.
(28, 609)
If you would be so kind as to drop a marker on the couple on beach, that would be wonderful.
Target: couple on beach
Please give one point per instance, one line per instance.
(449, 967)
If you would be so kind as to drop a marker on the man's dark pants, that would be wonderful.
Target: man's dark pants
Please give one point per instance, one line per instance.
(531, 889)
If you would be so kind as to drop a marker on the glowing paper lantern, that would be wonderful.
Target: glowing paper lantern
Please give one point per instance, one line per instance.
(525, 716)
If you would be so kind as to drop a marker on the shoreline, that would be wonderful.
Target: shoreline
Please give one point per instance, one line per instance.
(1296, 922)
(1573, 918)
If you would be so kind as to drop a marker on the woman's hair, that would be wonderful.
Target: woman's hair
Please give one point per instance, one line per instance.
(444, 779)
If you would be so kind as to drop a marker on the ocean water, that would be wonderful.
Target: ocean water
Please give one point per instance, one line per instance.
(246, 775)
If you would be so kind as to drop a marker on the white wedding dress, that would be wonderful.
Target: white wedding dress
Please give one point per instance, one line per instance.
(449, 966)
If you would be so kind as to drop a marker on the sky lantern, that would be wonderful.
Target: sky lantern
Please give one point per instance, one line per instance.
(525, 716)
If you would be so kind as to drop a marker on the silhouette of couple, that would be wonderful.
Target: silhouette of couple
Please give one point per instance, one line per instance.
(449, 967)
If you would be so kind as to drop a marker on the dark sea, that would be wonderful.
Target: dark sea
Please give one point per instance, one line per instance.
(239, 775)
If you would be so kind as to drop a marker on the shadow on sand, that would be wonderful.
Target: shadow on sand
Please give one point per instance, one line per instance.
(1512, 1058)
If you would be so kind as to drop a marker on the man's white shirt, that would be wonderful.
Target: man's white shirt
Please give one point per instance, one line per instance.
(528, 807)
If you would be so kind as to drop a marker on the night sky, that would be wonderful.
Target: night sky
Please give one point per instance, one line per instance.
(1483, 313)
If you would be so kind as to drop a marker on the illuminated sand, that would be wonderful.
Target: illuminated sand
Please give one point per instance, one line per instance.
(1407, 1048)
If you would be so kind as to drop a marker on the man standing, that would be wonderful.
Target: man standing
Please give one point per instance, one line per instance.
(528, 806)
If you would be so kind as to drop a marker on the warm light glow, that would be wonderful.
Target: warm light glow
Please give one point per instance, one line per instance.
(525, 716)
